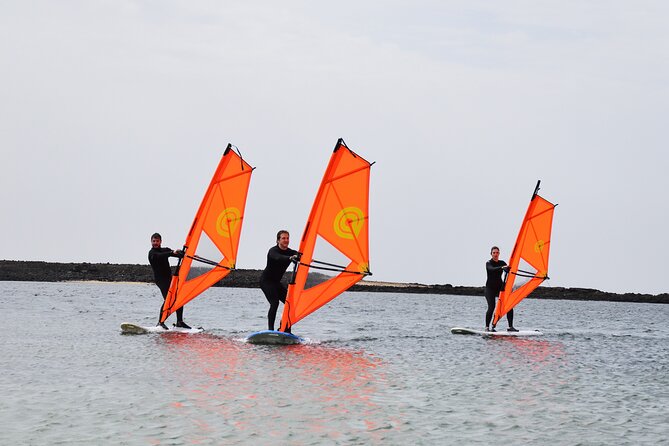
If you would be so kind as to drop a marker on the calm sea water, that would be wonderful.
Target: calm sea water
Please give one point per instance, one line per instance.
(379, 369)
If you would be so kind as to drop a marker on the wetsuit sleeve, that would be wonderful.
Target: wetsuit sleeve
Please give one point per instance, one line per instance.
(277, 254)
(490, 268)
(163, 253)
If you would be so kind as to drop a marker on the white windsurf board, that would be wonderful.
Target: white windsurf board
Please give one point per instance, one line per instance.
(130, 328)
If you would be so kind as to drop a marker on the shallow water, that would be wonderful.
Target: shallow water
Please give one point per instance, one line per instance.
(379, 368)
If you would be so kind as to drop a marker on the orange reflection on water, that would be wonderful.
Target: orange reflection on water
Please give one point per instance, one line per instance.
(539, 353)
(226, 384)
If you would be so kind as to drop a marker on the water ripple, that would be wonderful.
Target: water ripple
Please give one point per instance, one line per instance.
(378, 369)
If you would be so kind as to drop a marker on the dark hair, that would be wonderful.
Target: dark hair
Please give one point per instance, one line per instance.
(278, 234)
(493, 248)
(156, 235)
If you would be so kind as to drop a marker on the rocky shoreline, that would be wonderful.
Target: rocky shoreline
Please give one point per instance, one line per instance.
(35, 271)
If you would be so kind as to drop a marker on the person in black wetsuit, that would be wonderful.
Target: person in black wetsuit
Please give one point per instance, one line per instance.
(162, 273)
(278, 260)
(493, 285)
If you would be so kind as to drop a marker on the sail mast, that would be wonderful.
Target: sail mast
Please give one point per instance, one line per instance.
(532, 247)
(219, 219)
(340, 217)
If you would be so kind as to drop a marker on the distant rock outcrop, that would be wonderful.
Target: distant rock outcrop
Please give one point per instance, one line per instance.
(32, 271)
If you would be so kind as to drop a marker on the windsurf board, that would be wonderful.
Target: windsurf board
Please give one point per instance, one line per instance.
(273, 337)
(130, 328)
(501, 332)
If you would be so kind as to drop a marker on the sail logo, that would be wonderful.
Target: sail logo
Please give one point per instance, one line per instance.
(227, 222)
(539, 246)
(348, 222)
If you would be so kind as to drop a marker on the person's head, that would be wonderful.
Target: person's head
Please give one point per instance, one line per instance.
(282, 239)
(156, 240)
(494, 252)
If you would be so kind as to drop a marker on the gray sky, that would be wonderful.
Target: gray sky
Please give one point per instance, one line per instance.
(114, 114)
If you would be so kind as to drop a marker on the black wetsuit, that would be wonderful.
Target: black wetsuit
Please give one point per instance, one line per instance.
(493, 285)
(278, 261)
(162, 274)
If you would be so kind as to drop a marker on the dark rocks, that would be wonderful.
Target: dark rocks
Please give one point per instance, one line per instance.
(11, 270)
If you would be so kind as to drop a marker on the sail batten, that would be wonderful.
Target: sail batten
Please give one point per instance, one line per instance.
(219, 217)
(340, 218)
(532, 247)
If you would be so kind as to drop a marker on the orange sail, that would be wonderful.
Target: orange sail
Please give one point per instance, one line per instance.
(529, 258)
(339, 218)
(219, 219)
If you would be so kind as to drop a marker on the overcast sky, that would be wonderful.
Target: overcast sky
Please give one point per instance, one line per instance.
(114, 115)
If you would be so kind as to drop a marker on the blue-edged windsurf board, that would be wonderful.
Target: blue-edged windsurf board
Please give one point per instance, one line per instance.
(273, 337)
